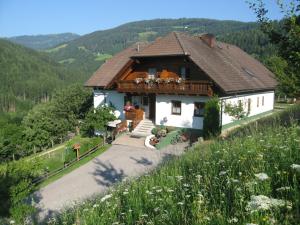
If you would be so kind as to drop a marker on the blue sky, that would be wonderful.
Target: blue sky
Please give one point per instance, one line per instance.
(26, 17)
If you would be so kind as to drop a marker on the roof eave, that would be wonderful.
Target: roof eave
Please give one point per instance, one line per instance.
(153, 56)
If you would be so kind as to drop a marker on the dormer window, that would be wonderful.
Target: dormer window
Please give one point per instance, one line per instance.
(151, 73)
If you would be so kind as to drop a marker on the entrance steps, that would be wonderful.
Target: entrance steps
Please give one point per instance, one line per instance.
(143, 129)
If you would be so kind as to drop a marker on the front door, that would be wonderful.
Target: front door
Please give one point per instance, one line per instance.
(152, 101)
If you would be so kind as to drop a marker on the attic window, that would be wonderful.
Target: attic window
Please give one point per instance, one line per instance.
(249, 72)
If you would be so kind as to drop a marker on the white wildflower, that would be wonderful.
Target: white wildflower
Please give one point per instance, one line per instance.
(262, 176)
(233, 220)
(234, 180)
(159, 190)
(125, 193)
(296, 167)
(106, 197)
(149, 192)
(156, 209)
(251, 224)
(12, 222)
(95, 205)
(263, 203)
(206, 218)
(186, 185)
(286, 188)
(179, 178)
(180, 203)
(222, 173)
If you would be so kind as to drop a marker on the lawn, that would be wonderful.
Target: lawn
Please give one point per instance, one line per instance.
(55, 160)
(252, 177)
(74, 166)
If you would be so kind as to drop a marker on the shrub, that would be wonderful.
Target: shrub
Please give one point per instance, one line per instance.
(154, 131)
(97, 119)
(162, 133)
(211, 123)
(16, 184)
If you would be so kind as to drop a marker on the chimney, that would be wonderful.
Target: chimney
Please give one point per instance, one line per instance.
(209, 39)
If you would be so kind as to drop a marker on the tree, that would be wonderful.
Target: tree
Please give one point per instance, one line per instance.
(211, 123)
(97, 119)
(235, 110)
(285, 35)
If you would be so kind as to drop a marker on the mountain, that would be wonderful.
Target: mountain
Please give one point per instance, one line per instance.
(89, 51)
(39, 42)
(29, 77)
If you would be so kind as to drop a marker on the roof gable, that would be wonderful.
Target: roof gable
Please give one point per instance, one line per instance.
(163, 46)
(107, 71)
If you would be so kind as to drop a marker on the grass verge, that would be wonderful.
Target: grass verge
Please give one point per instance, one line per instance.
(73, 167)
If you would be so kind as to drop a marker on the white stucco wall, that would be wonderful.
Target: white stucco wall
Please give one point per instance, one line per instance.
(110, 97)
(268, 104)
(186, 119)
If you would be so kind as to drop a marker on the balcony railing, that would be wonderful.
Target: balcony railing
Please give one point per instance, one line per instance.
(136, 116)
(182, 87)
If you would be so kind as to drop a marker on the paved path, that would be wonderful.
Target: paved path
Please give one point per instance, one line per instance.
(115, 164)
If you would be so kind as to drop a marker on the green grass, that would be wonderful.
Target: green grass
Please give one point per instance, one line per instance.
(144, 36)
(213, 184)
(74, 166)
(56, 49)
(165, 141)
(67, 61)
(102, 57)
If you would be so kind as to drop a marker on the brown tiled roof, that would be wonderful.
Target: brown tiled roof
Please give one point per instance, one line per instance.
(107, 71)
(232, 69)
(166, 46)
(228, 66)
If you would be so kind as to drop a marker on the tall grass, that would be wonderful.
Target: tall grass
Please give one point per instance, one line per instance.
(251, 179)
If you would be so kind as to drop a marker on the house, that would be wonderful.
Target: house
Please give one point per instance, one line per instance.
(169, 80)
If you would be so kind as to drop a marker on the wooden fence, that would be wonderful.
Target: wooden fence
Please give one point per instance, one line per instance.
(67, 165)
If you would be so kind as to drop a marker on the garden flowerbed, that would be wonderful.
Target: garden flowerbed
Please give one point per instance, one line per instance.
(164, 136)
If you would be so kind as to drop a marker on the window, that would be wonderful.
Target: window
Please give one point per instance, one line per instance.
(151, 73)
(257, 101)
(145, 101)
(263, 101)
(176, 107)
(249, 105)
(184, 73)
(199, 109)
(240, 103)
(127, 100)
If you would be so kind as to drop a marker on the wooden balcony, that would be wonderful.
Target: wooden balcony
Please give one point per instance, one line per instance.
(184, 87)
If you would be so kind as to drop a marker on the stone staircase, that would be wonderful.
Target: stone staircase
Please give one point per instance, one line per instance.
(143, 129)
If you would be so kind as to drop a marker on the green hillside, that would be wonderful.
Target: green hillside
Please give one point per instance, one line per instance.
(40, 42)
(29, 77)
(89, 51)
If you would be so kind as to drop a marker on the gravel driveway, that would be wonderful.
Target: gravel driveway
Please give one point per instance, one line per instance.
(117, 163)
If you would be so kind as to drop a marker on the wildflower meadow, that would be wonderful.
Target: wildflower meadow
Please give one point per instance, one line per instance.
(253, 179)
